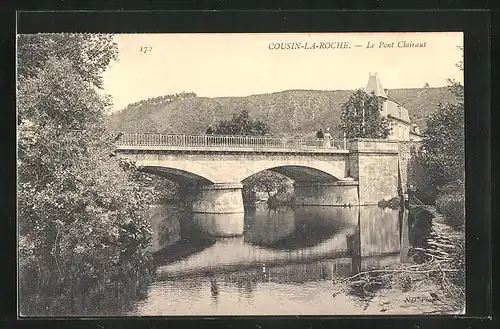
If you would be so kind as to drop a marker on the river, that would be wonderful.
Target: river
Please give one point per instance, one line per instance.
(282, 265)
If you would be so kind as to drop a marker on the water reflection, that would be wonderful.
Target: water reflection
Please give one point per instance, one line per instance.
(214, 289)
(283, 264)
(265, 226)
(165, 222)
(288, 229)
(379, 230)
(219, 224)
(286, 235)
(177, 236)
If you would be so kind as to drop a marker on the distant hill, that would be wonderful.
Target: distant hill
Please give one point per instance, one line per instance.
(291, 112)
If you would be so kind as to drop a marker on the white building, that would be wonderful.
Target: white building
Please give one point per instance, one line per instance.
(397, 114)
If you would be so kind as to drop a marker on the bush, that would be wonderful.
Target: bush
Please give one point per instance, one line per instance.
(451, 203)
(394, 203)
(427, 194)
(249, 196)
(83, 231)
(444, 145)
(280, 199)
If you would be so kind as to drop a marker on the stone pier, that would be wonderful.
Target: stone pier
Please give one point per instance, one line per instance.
(218, 209)
(339, 193)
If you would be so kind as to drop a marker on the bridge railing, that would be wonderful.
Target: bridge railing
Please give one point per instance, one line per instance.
(149, 139)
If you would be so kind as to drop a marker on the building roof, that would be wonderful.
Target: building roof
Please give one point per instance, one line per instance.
(374, 86)
(397, 111)
(394, 108)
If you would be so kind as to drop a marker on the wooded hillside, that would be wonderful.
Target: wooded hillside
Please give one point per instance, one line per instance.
(291, 112)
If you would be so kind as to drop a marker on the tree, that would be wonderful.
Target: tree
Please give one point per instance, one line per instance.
(456, 87)
(89, 54)
(444, 144)
(444, 154)
(76, 234)
(241, 124)
(266, 181)
(361, 117)
(444, 141)
(273, 183)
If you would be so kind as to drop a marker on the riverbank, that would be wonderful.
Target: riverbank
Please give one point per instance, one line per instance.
(431, 282)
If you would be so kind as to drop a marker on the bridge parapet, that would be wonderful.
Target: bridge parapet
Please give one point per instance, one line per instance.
(147, 141)
(369, 145)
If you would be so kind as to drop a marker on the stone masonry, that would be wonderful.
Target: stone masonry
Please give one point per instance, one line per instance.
(364, 174)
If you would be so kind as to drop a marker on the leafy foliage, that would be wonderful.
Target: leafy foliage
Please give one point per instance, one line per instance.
(444, 141)
(361, 117)
(90, 54)
(456, 88)
(444, 144)
(444, 153)
(274, 184)
(266, 181)
(81, 212)
(242, 125)
(451, 203)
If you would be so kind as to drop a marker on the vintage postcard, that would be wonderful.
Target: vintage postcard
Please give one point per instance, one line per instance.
(240, 174)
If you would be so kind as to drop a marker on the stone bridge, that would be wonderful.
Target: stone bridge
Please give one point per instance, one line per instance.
(211, 168)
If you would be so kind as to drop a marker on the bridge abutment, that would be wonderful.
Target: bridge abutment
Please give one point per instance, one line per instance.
(374, 164)
(218, 209)
(339, 193)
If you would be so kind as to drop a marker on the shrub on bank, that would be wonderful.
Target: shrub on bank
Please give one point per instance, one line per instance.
(73, 257)
(83, 233)
(394, 203)
(249, 195)
(451, 203)
(426, 194)
(281, 199)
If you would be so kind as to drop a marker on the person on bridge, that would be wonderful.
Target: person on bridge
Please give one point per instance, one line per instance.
(328, 138)
(319, 136)
(210, 130)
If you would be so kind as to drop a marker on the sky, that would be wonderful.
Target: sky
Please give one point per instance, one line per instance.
(215, 65)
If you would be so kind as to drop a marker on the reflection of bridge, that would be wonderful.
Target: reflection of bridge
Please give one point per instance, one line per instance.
(357, 172)
(365, 237)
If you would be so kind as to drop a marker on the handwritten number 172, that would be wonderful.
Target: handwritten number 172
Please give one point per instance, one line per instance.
(145, 49)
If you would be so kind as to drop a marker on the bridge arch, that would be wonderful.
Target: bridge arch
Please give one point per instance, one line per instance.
(301, 172)
(224, 168)
(177, 175)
